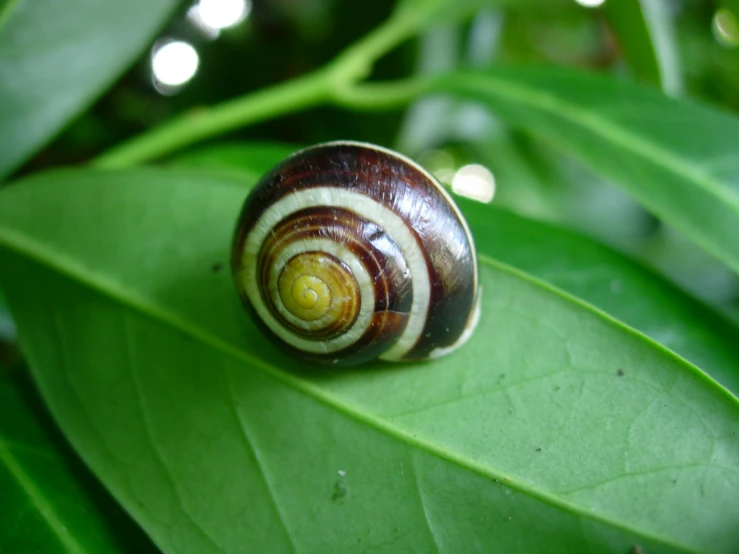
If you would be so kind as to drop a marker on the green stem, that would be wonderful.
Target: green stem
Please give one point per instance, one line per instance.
(334, 83)
(355, 62)
(300, 93)
(380, 96)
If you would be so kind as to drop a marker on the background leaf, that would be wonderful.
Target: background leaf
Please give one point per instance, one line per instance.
(5, 8)
(243, 162)
(427, 12)
(732, 5)
(645, 33)
(580, 431)
(50, 502)
(675, 157)
(56, 57)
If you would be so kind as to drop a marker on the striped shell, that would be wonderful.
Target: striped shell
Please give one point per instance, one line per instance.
(348, 252)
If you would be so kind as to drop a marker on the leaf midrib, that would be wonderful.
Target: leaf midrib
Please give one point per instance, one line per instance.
(620, 136)
(617, 134)
(67, 266)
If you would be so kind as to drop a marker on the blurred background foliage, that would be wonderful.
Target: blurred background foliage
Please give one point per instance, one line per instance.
(698, 57)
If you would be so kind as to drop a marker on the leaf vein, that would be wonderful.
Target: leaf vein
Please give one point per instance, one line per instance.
(422, 499)
(147, 426)
(251, 445)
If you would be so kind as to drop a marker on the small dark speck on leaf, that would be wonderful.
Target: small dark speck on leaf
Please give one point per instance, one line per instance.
(636, 549)
(557, 388)
(620, 373)
(216, 267)
(340, 490)
(538, 449)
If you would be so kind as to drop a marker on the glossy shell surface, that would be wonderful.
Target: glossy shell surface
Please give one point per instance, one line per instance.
(346, 252)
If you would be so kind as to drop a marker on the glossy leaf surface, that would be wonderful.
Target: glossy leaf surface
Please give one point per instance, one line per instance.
(613, 283)
(677, 158)
(554, 427)
(572, 262)
(50, 502)
(56, 57)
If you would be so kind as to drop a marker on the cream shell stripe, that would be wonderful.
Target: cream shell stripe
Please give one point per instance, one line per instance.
(431, 179)
(371, 210)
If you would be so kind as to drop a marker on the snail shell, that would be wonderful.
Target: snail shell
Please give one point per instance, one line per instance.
(348, 252)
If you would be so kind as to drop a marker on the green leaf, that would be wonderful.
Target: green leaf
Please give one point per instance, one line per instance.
(677, 158)
(245, 162)
(613, 283)
(644, 31)
(57, 57)
(555, 428)
(50, 502)
(6, 6)
(732, 5)
(427, 12)
(570, 261)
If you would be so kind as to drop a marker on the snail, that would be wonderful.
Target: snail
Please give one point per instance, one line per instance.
(346, 252)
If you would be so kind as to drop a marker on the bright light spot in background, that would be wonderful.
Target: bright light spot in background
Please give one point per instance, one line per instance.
(591, 3)
(213, 15)
(174, 63)
(725, 28)
(474, 181)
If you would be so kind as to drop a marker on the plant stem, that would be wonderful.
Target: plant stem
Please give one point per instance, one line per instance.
(379, 96)
(334, 83)
(355, 62)
(194, 126)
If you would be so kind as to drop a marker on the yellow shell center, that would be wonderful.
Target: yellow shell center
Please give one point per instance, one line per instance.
(320, 292)
(307, 296)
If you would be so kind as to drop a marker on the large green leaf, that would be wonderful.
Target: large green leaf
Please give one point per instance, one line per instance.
(50, 502)
(554, 428)
(56, 57)
(613, 283)
(584, 268)
(676, 157)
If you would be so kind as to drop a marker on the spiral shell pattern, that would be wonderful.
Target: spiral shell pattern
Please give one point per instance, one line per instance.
(348, 252)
